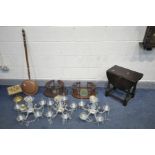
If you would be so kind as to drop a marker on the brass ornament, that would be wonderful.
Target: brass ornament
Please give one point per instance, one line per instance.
(12, 90)
(18, 99)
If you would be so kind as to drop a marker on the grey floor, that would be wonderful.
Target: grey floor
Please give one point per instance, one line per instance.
(138, 114)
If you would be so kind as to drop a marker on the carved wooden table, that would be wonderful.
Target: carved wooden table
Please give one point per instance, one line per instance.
(122, 79)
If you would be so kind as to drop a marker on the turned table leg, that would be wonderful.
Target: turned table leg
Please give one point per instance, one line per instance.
(127, 98)
(133, 90)
(108, 89)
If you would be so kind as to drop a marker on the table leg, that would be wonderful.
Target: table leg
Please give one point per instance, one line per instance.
(129, 95)
(133, 90)
(108, 89)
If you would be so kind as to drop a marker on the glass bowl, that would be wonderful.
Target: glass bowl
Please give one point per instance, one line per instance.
(81, 104)
(58, 98)
(99, 118)
(21, 118)
(49, 114)
(23, 108)
(106, 108)
(37, 114)
(42, 102)
(65, 116)
(17, 107)
(93, 99)
(18, 99)
(73, 105)
(83, 116)
(28, 99)
(50, 102)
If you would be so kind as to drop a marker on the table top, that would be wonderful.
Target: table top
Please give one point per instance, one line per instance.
(125, 73)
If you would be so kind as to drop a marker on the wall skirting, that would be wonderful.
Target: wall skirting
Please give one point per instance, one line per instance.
(41, 82)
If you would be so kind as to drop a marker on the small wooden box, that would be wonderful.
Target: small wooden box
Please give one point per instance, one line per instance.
(81, 92)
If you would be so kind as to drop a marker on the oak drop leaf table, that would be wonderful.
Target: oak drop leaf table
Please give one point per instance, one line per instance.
(123, 79)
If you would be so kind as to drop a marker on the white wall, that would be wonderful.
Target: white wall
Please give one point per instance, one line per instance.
(75, 53)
